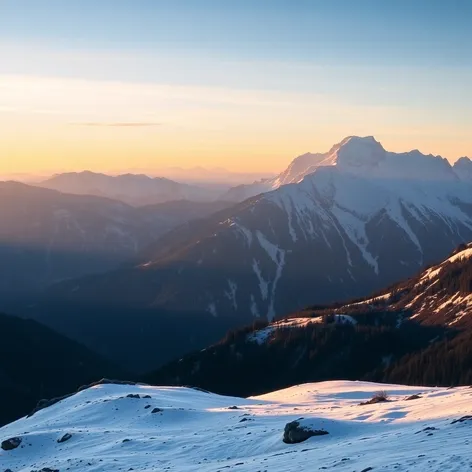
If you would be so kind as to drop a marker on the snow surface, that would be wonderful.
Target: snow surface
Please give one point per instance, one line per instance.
(362, 156)
(433, 272)
(385, 298)
(198, 431)
(358, 180)
(348, 201)
(263, 335)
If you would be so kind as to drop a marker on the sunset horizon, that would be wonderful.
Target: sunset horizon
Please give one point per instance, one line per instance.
(97, 85)
(235, 235)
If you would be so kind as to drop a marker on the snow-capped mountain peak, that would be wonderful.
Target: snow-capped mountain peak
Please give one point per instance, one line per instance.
(362, 219)
(366, 157)
(356, 152)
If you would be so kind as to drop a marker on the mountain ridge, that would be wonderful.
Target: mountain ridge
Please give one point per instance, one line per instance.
(47, 236)
(343, 154)
(134, 189)
(416, 332)
(337, 234)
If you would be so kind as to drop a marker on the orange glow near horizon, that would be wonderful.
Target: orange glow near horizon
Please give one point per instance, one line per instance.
(54, 125)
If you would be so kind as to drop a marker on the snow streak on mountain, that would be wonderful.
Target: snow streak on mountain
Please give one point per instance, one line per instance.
(358, 219)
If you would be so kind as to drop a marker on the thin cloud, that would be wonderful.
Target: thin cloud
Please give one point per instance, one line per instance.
(130, 124)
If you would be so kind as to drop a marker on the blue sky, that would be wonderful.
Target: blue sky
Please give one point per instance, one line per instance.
(410, 59)
(428, 32)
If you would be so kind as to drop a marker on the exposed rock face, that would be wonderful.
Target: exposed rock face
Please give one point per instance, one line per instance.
(463, 419)
(10, 444)
(413, 397)
(65, 438)
(295, 433)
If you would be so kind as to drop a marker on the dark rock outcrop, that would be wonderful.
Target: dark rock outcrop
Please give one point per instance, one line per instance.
(10, 444)
(64, 438)
(413, 397)
(294, 433)
(463, 419)
(132, 395)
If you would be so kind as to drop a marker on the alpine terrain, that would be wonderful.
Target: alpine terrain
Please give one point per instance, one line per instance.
(361, 219)
(47, 236)
(334, 426)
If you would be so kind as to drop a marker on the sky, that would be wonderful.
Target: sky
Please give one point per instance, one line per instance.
(119, 85)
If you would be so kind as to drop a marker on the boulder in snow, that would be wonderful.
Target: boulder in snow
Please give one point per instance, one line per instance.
(10, 444)
(295, 433)
(64, 438)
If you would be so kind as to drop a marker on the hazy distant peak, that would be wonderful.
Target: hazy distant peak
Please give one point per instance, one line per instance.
(463, 162)
(463, 168)
(134, 189)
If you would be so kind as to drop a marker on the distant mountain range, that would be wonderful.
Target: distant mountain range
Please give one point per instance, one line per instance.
(216, 175)
(133, 189)
(47, 236)
(354, 220)
(416, 332)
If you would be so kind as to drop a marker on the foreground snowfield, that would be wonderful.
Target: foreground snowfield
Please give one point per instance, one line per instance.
(198, 431)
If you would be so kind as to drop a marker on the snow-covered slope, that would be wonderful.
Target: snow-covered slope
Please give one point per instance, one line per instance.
(134, 189)
(362, 221)
(298, 168)
(441, 294)
(180, 429)
(360, 224)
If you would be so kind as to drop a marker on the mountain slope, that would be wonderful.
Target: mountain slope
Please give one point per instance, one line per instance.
(133, 189)
(298, 168)
(441, 295)
(166, 216)
(47, 236)
(417, 332)
(37, 363)
(193, 430)
(345, 230)
(354, 226)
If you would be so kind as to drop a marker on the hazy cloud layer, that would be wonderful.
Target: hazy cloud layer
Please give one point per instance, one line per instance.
(120, 125)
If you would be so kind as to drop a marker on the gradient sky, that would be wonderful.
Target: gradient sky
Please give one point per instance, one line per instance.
(114, 85)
